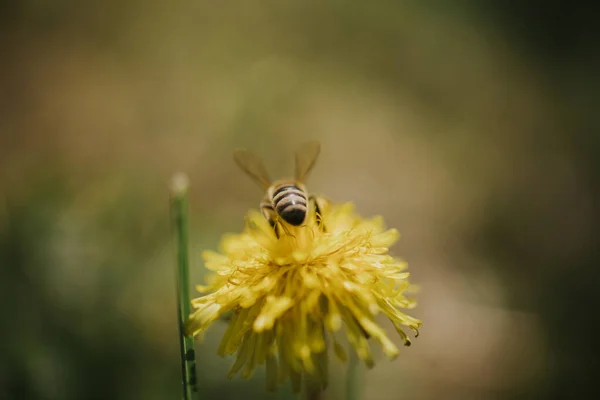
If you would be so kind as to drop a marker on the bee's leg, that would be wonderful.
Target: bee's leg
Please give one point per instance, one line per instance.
(270, 215)
(318, 210)
(276, 227)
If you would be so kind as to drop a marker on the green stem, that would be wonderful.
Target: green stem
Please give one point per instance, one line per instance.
(353, 381)
(179, 209)
(310, 390)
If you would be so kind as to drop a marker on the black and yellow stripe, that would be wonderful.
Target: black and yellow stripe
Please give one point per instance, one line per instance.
(289, 201)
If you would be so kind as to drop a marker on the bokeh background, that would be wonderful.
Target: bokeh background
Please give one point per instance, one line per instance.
(471, 126)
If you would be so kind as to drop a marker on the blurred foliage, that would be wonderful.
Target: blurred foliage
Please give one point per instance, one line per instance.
(471, 126)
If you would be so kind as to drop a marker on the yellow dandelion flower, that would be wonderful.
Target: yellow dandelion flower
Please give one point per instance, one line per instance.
(291, 295)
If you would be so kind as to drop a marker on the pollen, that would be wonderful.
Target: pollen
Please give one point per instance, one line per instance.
(294, 296)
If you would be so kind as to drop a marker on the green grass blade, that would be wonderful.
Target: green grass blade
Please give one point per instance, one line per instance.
(353, 377)
(180, 215)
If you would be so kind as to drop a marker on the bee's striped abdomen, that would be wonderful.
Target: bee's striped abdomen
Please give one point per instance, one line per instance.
(290, 203)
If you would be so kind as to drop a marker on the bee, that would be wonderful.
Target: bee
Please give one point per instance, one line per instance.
(286, 199)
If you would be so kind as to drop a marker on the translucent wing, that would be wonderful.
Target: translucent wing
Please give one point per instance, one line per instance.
(253, 166)
(306, 156)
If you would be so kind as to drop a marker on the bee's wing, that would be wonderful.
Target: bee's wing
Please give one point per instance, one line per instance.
(306, 156)
(253, 166)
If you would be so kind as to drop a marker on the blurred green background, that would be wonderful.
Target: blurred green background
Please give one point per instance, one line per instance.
(472, 127)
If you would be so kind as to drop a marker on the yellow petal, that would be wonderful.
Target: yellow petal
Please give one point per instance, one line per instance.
(385, 239)
(273, 309)
(201, 318)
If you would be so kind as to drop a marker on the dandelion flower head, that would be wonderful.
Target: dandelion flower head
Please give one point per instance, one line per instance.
(294, 296)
